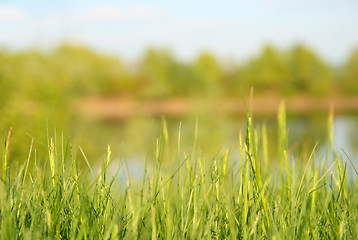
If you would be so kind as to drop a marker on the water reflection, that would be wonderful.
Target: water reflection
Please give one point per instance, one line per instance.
(132, 141)
(135, 137)
(346, 133)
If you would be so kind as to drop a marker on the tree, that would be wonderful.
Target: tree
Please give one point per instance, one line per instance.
(208, 72)
(86, 72)
(156, 71)
(308, 73)
(265, 72)
(350, 74)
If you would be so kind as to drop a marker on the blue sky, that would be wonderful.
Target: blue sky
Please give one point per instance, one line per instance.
(229, 29)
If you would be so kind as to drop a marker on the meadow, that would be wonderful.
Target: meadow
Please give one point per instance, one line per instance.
(241, 193)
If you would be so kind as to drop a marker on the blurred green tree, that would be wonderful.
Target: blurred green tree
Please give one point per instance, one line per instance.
(350, 74)
(162, 76)
(308, 73)
(208, 74)
(267, 72)
(85, 72)
(155, 73)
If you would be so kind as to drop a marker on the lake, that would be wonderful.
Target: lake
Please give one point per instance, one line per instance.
(132, 140)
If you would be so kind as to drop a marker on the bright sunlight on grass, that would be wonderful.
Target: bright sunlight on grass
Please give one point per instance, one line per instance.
(242, 196)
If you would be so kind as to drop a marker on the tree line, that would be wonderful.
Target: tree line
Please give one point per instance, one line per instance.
(76, 71)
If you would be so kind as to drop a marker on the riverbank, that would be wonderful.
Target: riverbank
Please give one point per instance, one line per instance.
(122, 108)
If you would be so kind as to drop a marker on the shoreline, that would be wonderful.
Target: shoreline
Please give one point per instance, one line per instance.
(122, 108)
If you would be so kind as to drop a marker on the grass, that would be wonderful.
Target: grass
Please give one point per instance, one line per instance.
(224, 196)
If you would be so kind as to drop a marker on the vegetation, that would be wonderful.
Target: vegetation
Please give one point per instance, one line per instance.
(350, 73)
(244, 196)
(72, 71)
(39, 89)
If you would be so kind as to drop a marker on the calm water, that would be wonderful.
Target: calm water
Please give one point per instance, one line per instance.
(132, 140)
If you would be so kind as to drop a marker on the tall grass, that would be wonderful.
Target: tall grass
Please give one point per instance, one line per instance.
(235, 196)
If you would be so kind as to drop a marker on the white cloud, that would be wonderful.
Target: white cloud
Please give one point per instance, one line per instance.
(208, 24)
(101, 13)
(11, 13)
(115, 13)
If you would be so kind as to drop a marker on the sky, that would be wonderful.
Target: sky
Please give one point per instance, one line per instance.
(229, 29)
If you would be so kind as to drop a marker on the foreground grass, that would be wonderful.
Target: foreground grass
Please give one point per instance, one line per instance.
(242, 196)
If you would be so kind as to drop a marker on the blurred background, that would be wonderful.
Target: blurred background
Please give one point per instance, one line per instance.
(106, 72)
